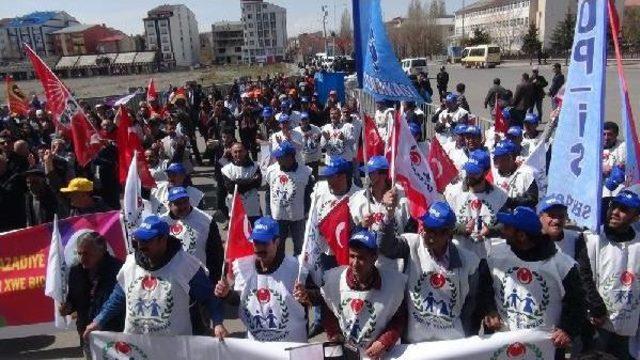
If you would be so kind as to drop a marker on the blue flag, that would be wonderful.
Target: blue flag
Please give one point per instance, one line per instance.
(575, 173)
(382, 75)
(325, 82)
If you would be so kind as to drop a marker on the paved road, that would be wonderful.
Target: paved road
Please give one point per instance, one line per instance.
(65, 345)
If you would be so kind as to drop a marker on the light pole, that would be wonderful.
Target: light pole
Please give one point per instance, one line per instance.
(463, 16)
(325, 14)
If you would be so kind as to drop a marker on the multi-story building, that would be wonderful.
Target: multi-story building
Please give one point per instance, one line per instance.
(265, 31)
(116, 44)
(507, 21)
(228, 39)
(172, 30)
(35, 30)
(6, 52)
(82, 39)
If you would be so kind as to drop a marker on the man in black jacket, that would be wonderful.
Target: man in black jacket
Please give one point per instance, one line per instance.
(442, 81)
(90, 284)
(495, 92)
(41, 202)
(556, 83)
(539, 83)
(523, 100)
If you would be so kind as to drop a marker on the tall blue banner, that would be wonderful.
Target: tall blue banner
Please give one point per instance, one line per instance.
(325, 82)
(382, 75)
(575, 173)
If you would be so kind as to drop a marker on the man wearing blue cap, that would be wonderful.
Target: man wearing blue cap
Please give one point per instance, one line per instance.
(553, 217)
(337, 137)
(289, 190)
(157, 285)
(416, 131)
(177, 175)
(531, 135)
(473, 138)
(446, 290)
(475, 202)
(311, 151)
(610, 264)
(454, 114)
(614, 155)
(286, 108)
(196, 231)
(515, 135)
(244, 173)
(286, 133)
(263, 288)
(518, 182)
(535, 285)
(367, 307)
(456, 149)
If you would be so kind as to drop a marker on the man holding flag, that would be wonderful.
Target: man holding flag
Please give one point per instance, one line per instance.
(263, 288)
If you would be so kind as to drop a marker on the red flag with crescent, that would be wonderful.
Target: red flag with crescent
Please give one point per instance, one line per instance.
(374, 143)
(443, 169)
(128, 142)
(336, 229)
(239, 232)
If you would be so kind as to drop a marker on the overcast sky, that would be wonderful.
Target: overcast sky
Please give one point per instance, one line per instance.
(126, 15)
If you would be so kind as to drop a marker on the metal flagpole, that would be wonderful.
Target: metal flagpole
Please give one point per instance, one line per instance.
(226, 245)
(305, 242)
(365, 155)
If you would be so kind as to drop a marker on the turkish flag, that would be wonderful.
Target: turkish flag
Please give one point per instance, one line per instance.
(374, 142)
(128, 144)
(443, 169)
(336, 229)
(152, 94)
(501, 125)
(238, 244)
(17, 100)
(86, 142)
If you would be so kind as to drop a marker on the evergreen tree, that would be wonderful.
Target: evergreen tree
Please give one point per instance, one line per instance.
(562, 36)
(530, 42)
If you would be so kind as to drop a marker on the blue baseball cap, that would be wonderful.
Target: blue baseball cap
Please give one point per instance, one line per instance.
(532, 118)
(506, 113)
(177, 193)
(304, 99)
(438, 216)
(460, 129)
(283, 118)
(415, 128)
(515, 131)
(627, 198)
(285, 105)
(176, 168)
(366, 238)
(336, 165)
(451, 97)
(473, 130)
(304, 115)
(478, 162)
(548, 203)
(267, 112)
(315, 94)
(285, 148)
(522, 218)
(265, 229)
(376, 163)
(505, 147)
(151, 227)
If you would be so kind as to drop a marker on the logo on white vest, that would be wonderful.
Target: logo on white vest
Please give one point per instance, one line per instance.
(621, 294)
(149, 304)
(524, 298)
(122, 350)
(266, 314)
(357, 325)
(433, 298)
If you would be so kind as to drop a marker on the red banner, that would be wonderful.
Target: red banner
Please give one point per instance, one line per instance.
(23, 262)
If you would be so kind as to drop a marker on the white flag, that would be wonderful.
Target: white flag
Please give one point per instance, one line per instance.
(135, 209)
(309, 258)
(56, 281)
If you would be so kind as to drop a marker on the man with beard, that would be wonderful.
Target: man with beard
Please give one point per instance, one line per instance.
(311, 151)
(157, 286)
(79, 191)
(263, 288)
(337, 137)
(609, 267)
(439, 271)
(517, 181)
(40, 201)
(475, 202)
(157, 167)
(244, 173)
(613, 156)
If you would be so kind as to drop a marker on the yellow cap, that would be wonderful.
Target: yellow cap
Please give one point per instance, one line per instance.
(78, 185)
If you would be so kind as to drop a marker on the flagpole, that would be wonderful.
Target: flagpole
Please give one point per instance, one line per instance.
(394, 141)
(226, 245)
(305, 242)
(365, 155)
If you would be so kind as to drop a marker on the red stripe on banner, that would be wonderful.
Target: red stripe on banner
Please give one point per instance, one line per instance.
(615, 30)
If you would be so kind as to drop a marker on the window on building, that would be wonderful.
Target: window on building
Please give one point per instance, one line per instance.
(267, 42)
(250, 33)
(264, 6)
(252, 43)
(260, 43)
(272, 16)
(249, 16)
(238, 49)
(250, 25)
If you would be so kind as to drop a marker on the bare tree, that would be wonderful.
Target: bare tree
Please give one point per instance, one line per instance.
(345, 24)
(506, 31)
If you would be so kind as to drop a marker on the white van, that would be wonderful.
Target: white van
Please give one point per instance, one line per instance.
(414, 66)
(481, 56)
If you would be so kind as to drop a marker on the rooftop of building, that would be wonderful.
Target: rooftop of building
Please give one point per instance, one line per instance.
(483, 4)
(33, 19)
(227, 23)
(116, 37)
(162, 9)
(75, 28)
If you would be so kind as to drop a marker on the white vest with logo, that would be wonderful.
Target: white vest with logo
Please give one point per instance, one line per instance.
(160, 197)
(311, 150)
(363, 315)
(482, 207)
(287, 191)
(157, 302)
(516, 184)
(193, 232)
(528, 294)
(615, 268)
(267, 307)
(336, 146)
(250, 199)
(435, 295)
